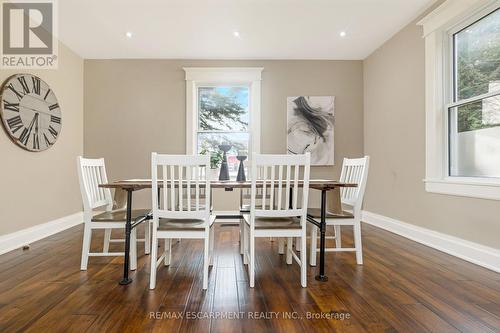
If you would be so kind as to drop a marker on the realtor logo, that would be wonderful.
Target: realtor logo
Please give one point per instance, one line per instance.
(28, 34)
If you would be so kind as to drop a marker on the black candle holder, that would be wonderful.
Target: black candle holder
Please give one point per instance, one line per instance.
(224, 170)
(241, 169)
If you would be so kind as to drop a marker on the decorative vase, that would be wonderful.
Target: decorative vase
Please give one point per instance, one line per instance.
(213, 174)
(241, 169)
(224, 170)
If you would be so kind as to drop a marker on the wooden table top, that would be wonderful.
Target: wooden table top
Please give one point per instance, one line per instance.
(139, 184)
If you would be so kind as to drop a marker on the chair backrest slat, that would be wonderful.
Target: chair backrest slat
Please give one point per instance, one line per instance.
(264, 186)
(92, 173)
(184, 185)
(295, 186)
(287, 189)
(188, 187)
(271, 191)
(280, 186)
(172, 185)
(197, 186)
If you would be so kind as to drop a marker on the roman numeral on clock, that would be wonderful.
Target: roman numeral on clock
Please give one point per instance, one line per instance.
(22, 80)
(36, 85)
(47, 94)
(24, 137)
(15, 123)
(47, 141)
(53, 131)
(18, 94)
(11, 106)
(55, 119)
(53, 106)
(36, 141)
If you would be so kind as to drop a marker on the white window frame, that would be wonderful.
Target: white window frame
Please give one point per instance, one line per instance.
(216, 76)
(439, 27)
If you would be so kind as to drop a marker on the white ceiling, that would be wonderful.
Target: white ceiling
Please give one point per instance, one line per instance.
(203, 29)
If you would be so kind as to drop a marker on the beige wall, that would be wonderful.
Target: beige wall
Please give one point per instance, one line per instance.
(134, 107)
(40, 187)
(394, 135)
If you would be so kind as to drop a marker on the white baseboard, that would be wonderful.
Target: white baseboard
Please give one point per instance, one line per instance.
(475, 253)
(26, 236)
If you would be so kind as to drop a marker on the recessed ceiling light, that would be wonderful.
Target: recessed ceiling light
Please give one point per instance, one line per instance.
(343, 34)
(236, 34)
(128, 34)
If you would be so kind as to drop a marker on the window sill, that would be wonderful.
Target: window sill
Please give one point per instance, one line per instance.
(465, 187)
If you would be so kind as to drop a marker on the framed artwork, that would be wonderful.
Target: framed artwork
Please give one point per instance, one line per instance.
(310, 127)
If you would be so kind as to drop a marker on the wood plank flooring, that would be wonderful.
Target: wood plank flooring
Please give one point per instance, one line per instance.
(402, 287)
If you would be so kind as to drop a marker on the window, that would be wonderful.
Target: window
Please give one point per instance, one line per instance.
(474, 115)
(462, 78)
(223, 118)
(223, 107)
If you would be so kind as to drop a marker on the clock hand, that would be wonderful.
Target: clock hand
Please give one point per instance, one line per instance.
(25, 107)
(31, 127)
(40, 99)
(37, 124)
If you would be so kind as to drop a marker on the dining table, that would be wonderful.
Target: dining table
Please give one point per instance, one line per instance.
(129, 186)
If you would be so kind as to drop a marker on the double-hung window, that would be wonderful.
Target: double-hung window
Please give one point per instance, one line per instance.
(223, 108)
(462, 42)
(223, 117)
(474, 111)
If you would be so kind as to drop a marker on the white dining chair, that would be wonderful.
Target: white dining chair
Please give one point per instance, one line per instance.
(92, 173)
(353, 171)
(180, 211)
(274, 217)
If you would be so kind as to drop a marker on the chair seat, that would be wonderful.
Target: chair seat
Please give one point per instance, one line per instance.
(316, 213)
(183, 224)
(119, 215)
(274, 222)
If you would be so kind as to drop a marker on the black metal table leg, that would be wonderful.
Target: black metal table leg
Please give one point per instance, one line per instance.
(322, 240)
(128, 230)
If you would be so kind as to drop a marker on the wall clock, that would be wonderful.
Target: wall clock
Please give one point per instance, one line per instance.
(30, 112)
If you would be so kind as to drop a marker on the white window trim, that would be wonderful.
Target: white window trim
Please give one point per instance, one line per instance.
(202, 76)
(437, 27)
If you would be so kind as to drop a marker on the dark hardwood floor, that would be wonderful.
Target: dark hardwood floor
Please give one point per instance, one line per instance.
(402, 286)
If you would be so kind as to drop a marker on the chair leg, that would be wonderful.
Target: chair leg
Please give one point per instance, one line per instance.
(298, 241)
(314, 245)
(107, 238)
(303, 259)
(251, 267)
(206, 260)
(242, 235)
(246, 250)
(212, 245)
(133, 249)
(357, 243)
(87, 236)
(338, 236)
(168, 251)
(154, 251)
(281, 245)
(147, 237)
(289, 249)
